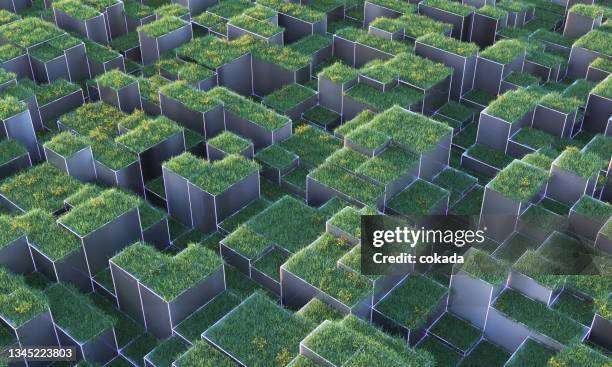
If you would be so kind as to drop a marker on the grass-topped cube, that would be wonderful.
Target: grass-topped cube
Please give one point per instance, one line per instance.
(347, 223)
(72, 154)
(420, 296)
(393, 169)
(43, 187)
(111, 216)
(316, 266)
(79, 320)
(276, 161)
(201, 351)
(228, 143)
(519, 181)
(419, 199)
(161, 35)
(312, 145)
(322, 116)
(572, 174)
(291, 100)
(588, 215)
(244, 24)
(259, 333)
(457, 332)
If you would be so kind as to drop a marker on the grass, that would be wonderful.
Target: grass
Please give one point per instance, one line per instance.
(305, 13)
(97, 212)
(167, 352)
(288, 97)
(213, 52)
(260, 13)
(259, 27)
(584, 165)
(279, 223)
(260, 333)
(578, 355)
(604, 88)
(29, 31)
(67, 144)
(513, 105)
(19, 303)
(189, 96)
(389, 166)
(449, 44)
(348, 220)
(415, 132)
(443, 355)
(450, 6)
(485, 354)
(602, 64)
(412, 302)
(540, 269)
(348, 159)
(182, 272)
(458, 332)
(350, 185)
(246, 242)
(492, 12)
(161, 26)
(9, 52)
(139, 348)
(601, 146)
(171, 10)
(42, 186)
(276, 157)
(418, 25)
(504, 51)
(361, 119)
(311, 44)
(577, 309)
(479, 264)
(370, 96)
(115, 79)
(579, 90)
(589, 11)
(8, 233)
(202, 354)
(595, 40)
(193, 326)
(316, 311)
(419, 71)
(539, 216)
(230, 8)
(593, 208)
(46, 53)
(317, 265)
(231, 223)
(283, 57)
(10, 106)
(321, 115)
(538, 317)
(249, 110)
(9, 150)
(311, 144)
(519, 181)
(271, 262)
(229, 143)
(558, 102)
(457, 111)
(399, 6)
(480, 97)
(470, 204)
(76, 9)
(75, 313)
(522, 79)
(339, 73)
(7, 17)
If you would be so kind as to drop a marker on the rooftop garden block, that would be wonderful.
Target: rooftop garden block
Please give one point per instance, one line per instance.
(519, 181)
(449, 44)
(361, 119)
(450, 6)
(149, 133)
(457, 111)
(317, 311)
(99, 53)
(540, 269)
(305, 13)
(582, 164)
(8, 232)
(603, 64)
(312, 145)
(418, 25)
(98, 211)
(211, 51)
(230, 8)
(136, 10)
(94, 119)
(9, 52)
(412, 302)
(558, 102)
(8, 17)
(246, 242)
(139, 259)
(577, 354)
(260, 333)
(42, 186)
(522, 79)
(19, 303)
(260, 27)
(489, 155)
(604, 88)
(504, 51)
(115, 79)
(388, 166)
(260, 12)
(601, 146)
(284, 99)
(321, 115)
(491, 12)
(75, 313)
(589, 11)
(364, 137)
(67, 144)
(513, 105)
(580, 90)
(189, 96)
(538, 317)
(316, 264)
(162, 26)
(593, 208)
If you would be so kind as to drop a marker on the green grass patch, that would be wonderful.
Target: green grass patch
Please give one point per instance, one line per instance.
(288, 97)
(193, 326)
